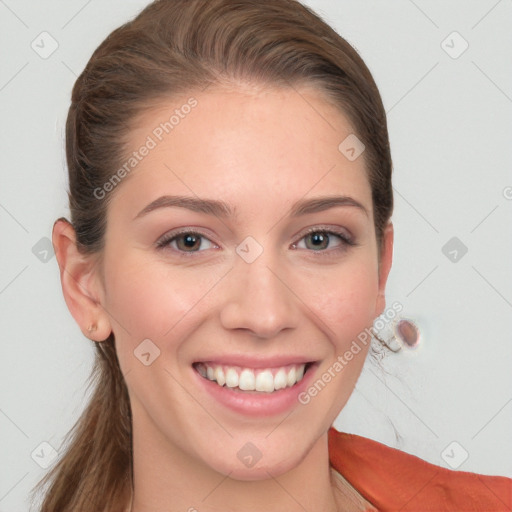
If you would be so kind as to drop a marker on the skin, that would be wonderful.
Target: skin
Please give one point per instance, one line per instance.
(260, 150)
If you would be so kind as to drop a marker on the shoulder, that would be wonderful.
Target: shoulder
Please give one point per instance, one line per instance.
(394, 480)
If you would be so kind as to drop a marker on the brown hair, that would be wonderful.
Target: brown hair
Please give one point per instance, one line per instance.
(174, 47)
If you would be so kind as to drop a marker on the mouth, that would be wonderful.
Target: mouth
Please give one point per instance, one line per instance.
(249, 380)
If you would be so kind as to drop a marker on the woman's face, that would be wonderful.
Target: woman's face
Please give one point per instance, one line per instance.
(251, 294)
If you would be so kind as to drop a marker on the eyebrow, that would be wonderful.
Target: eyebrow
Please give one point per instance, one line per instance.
(223, 209)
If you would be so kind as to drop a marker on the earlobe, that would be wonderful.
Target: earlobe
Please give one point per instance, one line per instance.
(80, 282)
(385, 261)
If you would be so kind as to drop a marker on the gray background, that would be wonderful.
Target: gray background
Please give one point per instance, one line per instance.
(450, 125)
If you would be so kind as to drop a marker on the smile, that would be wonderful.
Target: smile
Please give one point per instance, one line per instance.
(239, 378)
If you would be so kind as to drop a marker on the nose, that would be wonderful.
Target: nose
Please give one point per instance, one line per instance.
(259, 298)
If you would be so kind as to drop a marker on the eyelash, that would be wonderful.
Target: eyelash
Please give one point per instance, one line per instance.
(346, 241)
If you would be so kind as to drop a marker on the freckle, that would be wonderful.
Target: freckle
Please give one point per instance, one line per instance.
(408, 333)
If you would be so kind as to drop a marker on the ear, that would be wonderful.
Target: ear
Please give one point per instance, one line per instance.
(386, 258)
(81, 283)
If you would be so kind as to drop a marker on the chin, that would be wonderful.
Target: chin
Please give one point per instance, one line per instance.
(260, 471)
(245, 462)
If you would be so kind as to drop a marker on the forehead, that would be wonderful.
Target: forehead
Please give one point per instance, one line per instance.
(245, 146)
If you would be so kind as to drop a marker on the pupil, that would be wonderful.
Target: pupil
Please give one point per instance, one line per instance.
(190, 241)
(319, 239)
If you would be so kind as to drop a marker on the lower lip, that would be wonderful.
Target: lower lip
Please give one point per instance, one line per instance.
(254, 403)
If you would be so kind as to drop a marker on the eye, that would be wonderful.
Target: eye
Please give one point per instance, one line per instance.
(188, 241)
(319, 240)
(316, 240)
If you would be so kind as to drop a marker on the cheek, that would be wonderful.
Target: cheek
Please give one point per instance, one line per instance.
(343, 302)
(148, 300)
(343, 299)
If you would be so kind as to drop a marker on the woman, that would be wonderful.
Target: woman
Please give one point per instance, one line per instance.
(230, 241)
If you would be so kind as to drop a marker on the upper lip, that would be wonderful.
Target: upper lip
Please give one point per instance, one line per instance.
(247, 361)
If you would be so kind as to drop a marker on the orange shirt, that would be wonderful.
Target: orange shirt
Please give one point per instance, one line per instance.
(393, 480)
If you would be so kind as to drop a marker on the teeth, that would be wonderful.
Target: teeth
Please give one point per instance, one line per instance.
(280, 380)
(265, 381)
(246, 379)
(292, 377)
(218, 376)
(231, 378)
